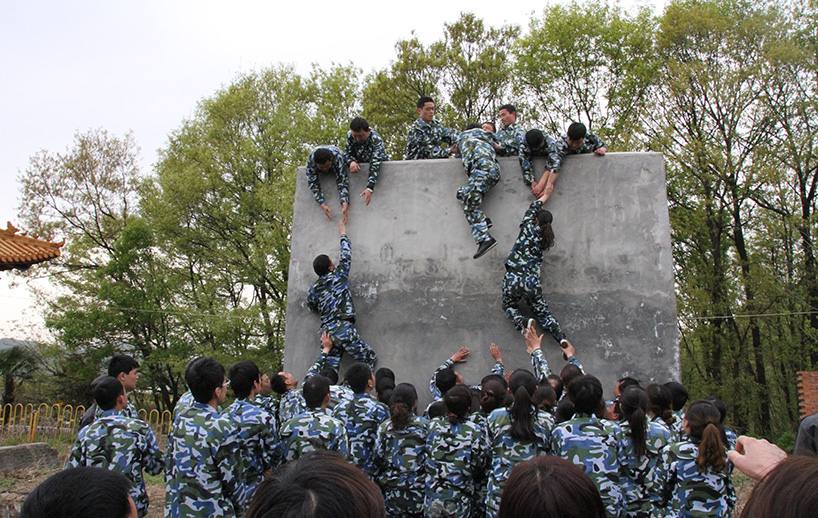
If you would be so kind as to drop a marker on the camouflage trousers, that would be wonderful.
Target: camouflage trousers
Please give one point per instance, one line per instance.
(485, 173)
(346, 338)
(529, 288)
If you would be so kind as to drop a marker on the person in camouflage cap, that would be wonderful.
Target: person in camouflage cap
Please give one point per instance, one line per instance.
(203, 451)
(480, 161)
(427, 134)
(400, 455)
(361, 416)
(329, 159)
(119, 443)
(331, 299)
(313, 429)
(364, 145)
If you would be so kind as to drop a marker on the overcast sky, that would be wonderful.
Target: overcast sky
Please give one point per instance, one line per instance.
(142, 65)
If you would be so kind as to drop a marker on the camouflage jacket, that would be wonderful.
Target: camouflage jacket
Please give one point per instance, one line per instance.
(510, 138)
(589, 145)
(330, 296)
(184, 401)
(688, 492)
(527, 253)
(339, 169)
(372, 151)
(540, 364)
(314, 429)
(424, 140)
(400, 466)
(498, 369)
(507, 451)
(527, 155)
(267, 403)
(203, 458)
(361, 417)
(123, 444)
(596, 446)
(642, 497)
(476, 145)
(257, 440)
(290, 405)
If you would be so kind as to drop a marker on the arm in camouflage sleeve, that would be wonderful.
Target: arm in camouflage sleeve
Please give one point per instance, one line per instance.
(153, 458)
(345, 262)
(540, 364)
(77, 456)
(348, 158)
(312, 181)
(342, 178)
(432, 384)
(594, 141)
(378, 156)
(229, 461)
(525, 165)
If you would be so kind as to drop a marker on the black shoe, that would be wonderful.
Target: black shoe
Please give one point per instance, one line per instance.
(484, 247)
(489, 223)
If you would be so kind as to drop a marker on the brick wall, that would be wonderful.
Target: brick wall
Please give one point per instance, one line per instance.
(808, 393)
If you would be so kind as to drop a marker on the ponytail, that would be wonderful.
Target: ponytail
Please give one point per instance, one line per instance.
(400, 415)
(403, 399)
(523, 385)
(634, 404)
(458, 403)
(544, 219)
(703, 421)
(638, 423)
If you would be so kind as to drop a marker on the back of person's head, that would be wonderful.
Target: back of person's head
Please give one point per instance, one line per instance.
(569, 372)
(534, 138)
(322, 155)
(545, 397)
(458, 403)
(436, 409)
(473, 125)
(720, 406)
(495, 377)
(243, 375)
(576, 131)
(331, 374)
(81, 493)
(384, 388)
(544, 219)
(358, 377)
(790, 490)
(107, 391)
(121, 364)
(445, 380)
(550, 487)
(278, 383)
(359, 124)
(565, 410)
(321, 265)
(679, 394)
(492, 394)
(633, 407)
(586, 394)
(523, 386)
(508, 107)
(320, 484)
(423, 100)
(556, 382)
(661, 402)
(203, 377)
(315, 391)
(626, 382)
(384, 372)
(402, 404)
(704, 429)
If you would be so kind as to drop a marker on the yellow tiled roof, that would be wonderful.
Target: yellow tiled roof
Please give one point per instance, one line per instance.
(20, 251)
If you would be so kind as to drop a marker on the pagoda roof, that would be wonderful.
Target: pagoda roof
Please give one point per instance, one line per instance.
(21, 251)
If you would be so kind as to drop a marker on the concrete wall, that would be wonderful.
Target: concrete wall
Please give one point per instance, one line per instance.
(420, 296)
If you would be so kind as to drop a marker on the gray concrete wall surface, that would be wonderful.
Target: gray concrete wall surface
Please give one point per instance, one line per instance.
(420, 296)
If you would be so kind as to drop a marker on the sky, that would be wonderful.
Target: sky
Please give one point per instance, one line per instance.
(142, 66)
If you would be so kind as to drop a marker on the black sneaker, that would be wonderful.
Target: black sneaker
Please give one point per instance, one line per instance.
(484, 247)
(489, 224)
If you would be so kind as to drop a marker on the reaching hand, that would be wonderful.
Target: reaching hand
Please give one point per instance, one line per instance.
(601, 151)
(367, 194)
(567, 349)
(342, 228)
(495, 353)
(460, 356)
(354, 167)
(326, 342)
(533, 341)
(756, 457)
(326, 210)
(536, 190)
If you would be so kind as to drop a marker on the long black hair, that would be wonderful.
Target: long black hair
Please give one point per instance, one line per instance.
(544, 219)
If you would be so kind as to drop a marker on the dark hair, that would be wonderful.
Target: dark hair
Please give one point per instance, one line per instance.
(556, 382)
(493, 126)
(358, 376)
(473, 125)
(322, 155)
(626, 382)
(703, 421)
(359, 124)
(107, 391)
(445, 380)
(321, 265)
(576, 131)
(243, 375)
(331, 374)
(720, 406)
(523, 386)
(384, 388)
(315, 391)
(384, 372)
(121, 363)
(203, 377)
(544, 219)
(660, 402)
(278, 383)
(565, 410)
(790, 490)
(586, 394)
(423, 100)
(80, 493)
(569, 372)
(317, 485)
(534, 138)
(492, 394)
(508, 107)
(550, 487)
(401, 404)
(436, 409)
(546, 397)
(633, 407)
(458, 403)
(679, 394)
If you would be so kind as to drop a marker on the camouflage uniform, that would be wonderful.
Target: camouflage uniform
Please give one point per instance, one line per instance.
(522, 278)
(589, 145)
(257, 440)
(596, 446)
(372, 151)
(185, 401)
(337, 393)
(202, 461)
(290, 405)
(400, 464)
(677, 431)
(506, 451)
(267, 403)
(527, 155)
(540, 364)
(361, 418)
(688, 492)
(122, 444)
(456, 463)
(642, 496)
(731, 438)
(339, 169)
(314, 429)
(129, 411)
(510, 138)
(424, 140)
(480, 162)
(331, 299)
